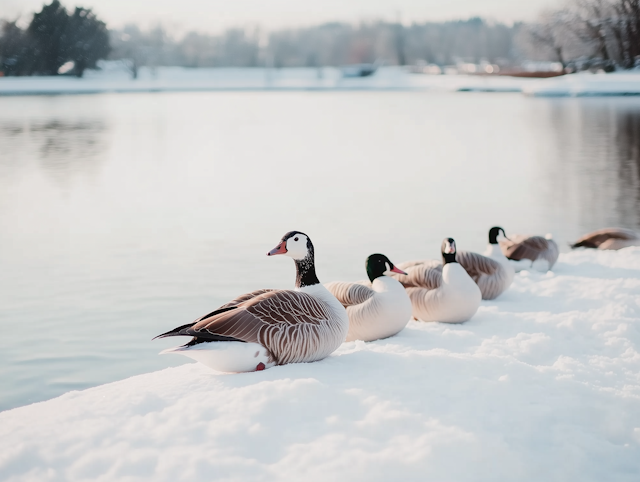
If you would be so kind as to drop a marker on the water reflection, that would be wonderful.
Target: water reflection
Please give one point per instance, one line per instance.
(628, 143)
(63, 148)
(594, 169)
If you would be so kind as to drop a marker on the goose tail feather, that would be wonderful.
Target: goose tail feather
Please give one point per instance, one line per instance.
(179, 331)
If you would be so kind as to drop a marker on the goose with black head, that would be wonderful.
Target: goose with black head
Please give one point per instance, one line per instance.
(377, 310)
(270, 327)
(492, 271)
(446, 294)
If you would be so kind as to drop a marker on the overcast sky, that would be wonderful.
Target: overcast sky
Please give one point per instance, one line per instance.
(215, 15)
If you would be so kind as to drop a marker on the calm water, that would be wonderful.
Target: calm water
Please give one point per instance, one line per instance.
(122, 216)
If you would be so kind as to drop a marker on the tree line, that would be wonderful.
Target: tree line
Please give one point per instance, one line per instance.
(583, 33)
(330, 44)
(56, 37)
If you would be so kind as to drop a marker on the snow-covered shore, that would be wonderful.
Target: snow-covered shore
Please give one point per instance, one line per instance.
(542, 384)
(176, 79)
(586, 84)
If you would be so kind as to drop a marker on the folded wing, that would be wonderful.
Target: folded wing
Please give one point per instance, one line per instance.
(420, 274)
(477, 265)
(596, 238)
(350, 294)
(530, 247)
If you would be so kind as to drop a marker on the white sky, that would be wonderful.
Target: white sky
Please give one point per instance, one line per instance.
(215, 15)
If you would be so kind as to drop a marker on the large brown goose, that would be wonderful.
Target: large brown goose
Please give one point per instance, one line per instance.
(609, 238)
(537, 252)
(376, 310)
(270, 327)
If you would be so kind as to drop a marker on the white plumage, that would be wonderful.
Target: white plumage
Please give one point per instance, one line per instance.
(446, 294)
(376, 310)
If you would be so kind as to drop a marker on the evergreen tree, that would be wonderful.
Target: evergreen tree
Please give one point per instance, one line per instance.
(48, 29)
(53, 38)
(87, 40)
(14, 50)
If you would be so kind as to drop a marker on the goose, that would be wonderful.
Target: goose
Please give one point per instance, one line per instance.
(269, 327)
(494, 252)
(492, 271)
(609, 238)
(379, 310)
(447, 295)
(537, 252)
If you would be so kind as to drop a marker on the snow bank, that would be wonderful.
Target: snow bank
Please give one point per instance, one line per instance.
(585, 84)
(174, 79)
(542, 384)
(178, 79)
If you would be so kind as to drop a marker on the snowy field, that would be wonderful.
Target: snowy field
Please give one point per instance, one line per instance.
(173, 79)
(542, 384)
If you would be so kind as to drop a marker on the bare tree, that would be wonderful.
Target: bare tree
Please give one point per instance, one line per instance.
(607, 31)
(626, 29)
(551, 33)
(591, 24)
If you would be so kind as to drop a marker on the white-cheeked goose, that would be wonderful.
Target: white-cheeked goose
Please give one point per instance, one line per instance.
(379, 310)
(609, 238)
(446, 294)
(270, 327)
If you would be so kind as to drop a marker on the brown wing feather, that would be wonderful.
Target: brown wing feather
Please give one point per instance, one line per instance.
(476, 265)
(596, 238)
(349, 294)
(421, 274)
(530, 247)
(293, 326)
(247, 296)
(524, 247)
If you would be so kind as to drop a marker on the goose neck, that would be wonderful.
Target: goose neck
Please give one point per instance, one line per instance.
(448, 258)
(306, 272)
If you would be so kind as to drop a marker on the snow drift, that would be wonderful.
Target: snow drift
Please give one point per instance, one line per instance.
(542, 384)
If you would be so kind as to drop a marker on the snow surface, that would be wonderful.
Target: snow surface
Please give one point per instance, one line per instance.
(586, 84)
(542, 384)
(114, 78)
(170, 79)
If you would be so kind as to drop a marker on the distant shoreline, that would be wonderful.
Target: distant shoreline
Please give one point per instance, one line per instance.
(388, 79)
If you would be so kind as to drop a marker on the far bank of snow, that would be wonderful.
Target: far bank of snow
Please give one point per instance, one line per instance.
(177, 79)
(542, 384)
(586, 84)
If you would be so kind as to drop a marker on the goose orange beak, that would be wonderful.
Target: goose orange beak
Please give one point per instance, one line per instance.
(280, 249)
(397, 270)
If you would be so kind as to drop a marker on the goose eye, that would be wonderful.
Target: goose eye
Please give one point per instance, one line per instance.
(295, 239)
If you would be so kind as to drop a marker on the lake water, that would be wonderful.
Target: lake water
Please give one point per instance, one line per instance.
(123, 216)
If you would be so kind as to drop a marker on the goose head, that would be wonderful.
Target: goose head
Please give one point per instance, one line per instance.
(298, 246)
(494, 233)
(448, 251)
(379, 265)
(294, 244)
